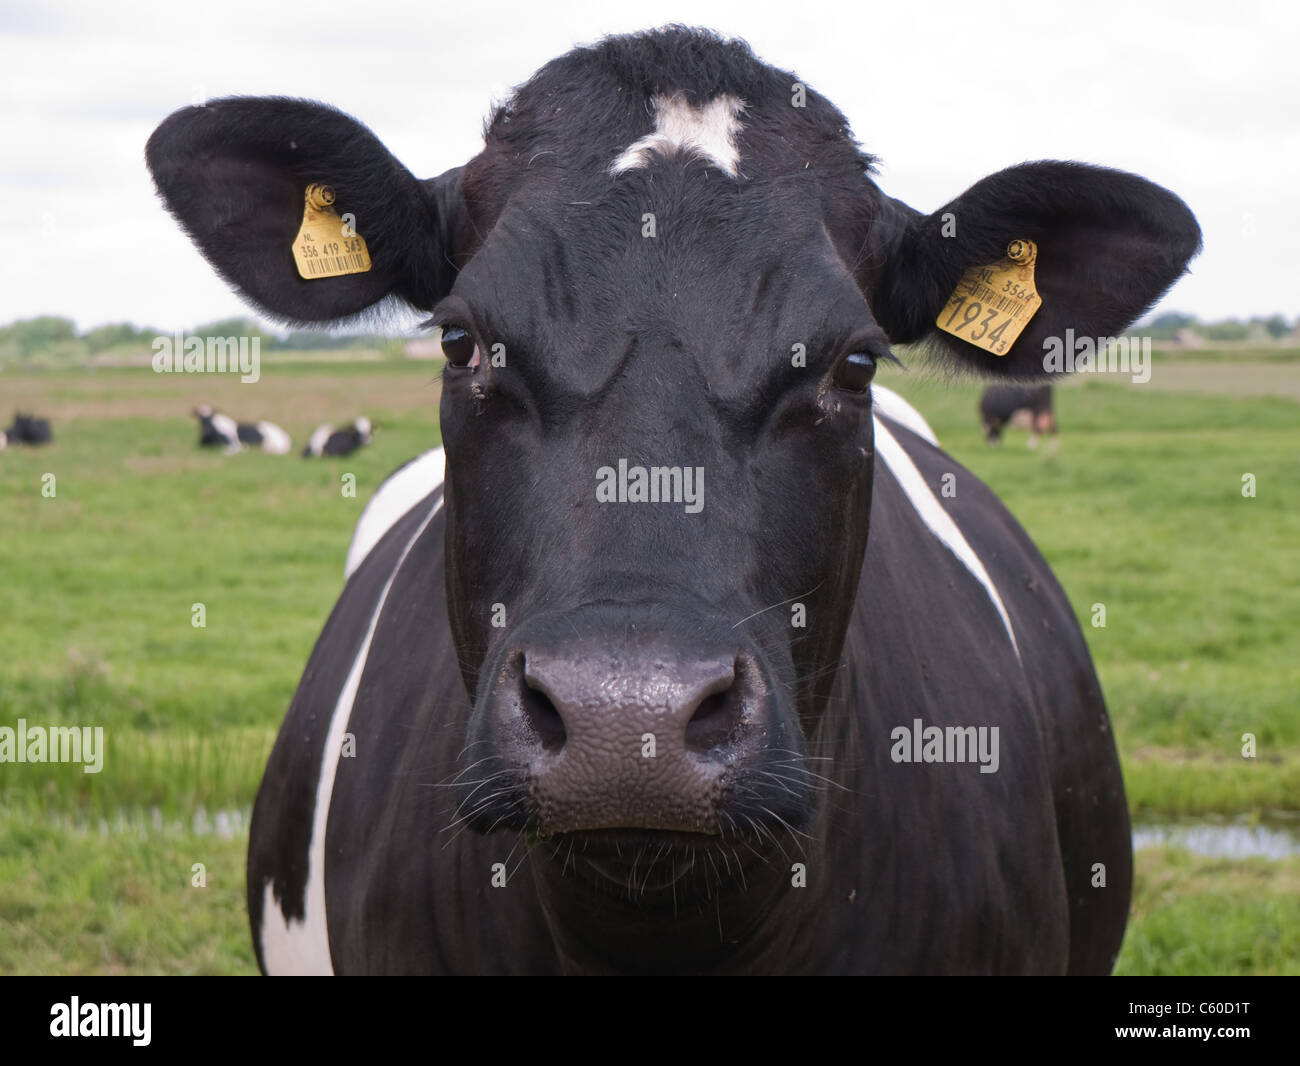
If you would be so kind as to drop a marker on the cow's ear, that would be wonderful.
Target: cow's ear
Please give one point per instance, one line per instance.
(1108, 246)
(235, 171)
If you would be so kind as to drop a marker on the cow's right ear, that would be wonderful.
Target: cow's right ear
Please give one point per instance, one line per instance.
(234, 174)
(1109, 244)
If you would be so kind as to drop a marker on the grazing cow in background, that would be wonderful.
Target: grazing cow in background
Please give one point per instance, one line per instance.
(221, 431)
(327, 440)
(1011, 405)
(29, 430)
(563, 720)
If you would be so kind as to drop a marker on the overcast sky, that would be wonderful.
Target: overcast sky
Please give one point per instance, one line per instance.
(1201, 97)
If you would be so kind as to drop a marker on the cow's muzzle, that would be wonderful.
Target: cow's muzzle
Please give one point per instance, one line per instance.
(634, 738)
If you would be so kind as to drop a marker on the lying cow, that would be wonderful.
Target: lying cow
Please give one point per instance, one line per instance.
(1012, 405)
(327, 440)
(553, 725)
(221, 431)
(29, 430)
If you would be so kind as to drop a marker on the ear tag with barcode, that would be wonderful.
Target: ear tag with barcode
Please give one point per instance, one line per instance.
(326, 246)
(991, 305)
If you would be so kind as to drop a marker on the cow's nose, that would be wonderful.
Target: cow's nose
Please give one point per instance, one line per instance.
(616, 739)
(685, 706)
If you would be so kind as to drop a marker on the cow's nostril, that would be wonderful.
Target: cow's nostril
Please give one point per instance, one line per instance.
(715, 720)
(542, 715)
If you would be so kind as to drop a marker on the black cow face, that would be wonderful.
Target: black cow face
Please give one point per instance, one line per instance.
(676, 278)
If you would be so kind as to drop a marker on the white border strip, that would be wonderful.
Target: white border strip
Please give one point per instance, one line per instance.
(304, 947)
(893, 406)
(933, 515)
(401, 491)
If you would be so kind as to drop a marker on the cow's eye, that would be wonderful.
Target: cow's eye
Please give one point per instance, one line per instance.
(459, 347)
(855, 371)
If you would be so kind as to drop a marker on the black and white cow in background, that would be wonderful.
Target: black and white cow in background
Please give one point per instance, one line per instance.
(1013, 405)
(543, 732)
(343, 440)
(221, 431)
(27, 429)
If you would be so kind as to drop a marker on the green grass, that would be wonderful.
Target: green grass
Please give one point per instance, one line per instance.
(116, 898)
(1193, 915)
(1140, 510)
(98, 583)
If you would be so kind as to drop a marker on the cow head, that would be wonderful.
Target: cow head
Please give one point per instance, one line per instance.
(665, 273)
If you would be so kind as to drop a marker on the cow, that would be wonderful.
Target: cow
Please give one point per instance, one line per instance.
(221, 431)
(327, 440)
(838, 718)
(1012, 405)
(29, 430)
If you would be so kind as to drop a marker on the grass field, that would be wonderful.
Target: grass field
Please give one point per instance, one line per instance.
(1140, 510)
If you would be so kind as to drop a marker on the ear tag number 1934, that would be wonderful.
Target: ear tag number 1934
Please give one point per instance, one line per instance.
(993, 304)
(325, 247)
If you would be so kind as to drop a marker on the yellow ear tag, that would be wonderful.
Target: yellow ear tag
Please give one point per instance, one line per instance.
(993, 304)
(326, 247)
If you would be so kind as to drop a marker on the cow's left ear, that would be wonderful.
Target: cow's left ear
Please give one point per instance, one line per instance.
(234, 173)
(1108, 246)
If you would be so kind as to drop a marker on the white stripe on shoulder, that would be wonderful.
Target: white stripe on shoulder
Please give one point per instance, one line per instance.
(394, 498)
(294, 947)
(933, 515)
(891, 405)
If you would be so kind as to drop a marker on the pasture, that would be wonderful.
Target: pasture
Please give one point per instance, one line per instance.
(1141, 510)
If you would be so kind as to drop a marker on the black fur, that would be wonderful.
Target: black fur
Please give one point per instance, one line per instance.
(30, 430)
(234, 173)
(1109, 245)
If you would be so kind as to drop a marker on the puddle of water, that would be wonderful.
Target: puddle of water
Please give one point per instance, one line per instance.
(1220, 840)
(1269, 840)
(226, 824)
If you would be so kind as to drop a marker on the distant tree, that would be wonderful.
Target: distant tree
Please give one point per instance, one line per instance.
(1228, 330)
(1165, 326)
(1277, 326)
(1174, 320)
(320, 340)
(236, 327)
(101, 338)
(31, 335)
(50, 340)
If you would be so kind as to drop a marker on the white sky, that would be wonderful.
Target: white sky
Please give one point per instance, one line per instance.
(1201, 97)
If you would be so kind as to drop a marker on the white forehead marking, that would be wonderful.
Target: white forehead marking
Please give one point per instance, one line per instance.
(709, 130)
